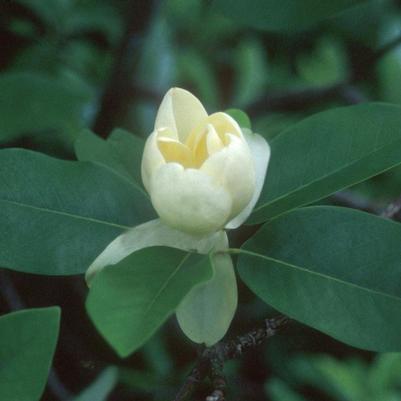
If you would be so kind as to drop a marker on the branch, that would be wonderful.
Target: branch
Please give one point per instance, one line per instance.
(218, 380)
(212, 359)
(355, 201)
(350, 199)
(392, 210)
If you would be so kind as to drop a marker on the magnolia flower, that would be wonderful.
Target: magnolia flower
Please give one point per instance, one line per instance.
(202, 172)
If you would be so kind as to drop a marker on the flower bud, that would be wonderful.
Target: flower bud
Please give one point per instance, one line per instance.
(200, 170)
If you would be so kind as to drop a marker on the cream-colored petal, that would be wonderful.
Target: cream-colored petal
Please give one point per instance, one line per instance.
(224, 124)
(260, 151)
(152, 159)
(233, 169)
(166, 132)
(213, 141)
(200, 151)
(174, 151)
(189, 200)
(206, 312)
(181, 111)
(153, 233)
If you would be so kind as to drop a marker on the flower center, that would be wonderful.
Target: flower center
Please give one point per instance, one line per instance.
(202, 142)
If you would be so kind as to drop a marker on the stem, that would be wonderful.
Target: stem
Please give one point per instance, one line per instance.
(214, 358)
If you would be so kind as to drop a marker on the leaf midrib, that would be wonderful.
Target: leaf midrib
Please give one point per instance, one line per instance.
(325, 276)
(165, 284)
(65, 214)
(130, 180)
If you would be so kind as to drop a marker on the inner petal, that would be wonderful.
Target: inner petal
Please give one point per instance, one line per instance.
(176, 152)
(224, 124)
(213, 141)
(195, 136)
(200, 152)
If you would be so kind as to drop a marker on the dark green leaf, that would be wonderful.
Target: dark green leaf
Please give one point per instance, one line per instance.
(130, 300)
(251, 71)
(57, 216)
(27, 342)
(284, 15)
(328, 152)
(122, 152)
(335, 269)
(33, 104)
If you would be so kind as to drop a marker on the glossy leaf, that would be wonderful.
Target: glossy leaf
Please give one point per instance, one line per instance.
(129, 301)
(335, 269)
(27, 342)
(57, 216)
(121, 152)
(328, 152)
(283, 16)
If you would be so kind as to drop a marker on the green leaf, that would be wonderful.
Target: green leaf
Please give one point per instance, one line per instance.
(279, 390)
(92, 17)
(385, 372)
(130, 300)
(251, 71)
(121, 152)
(194, 67)
(283, 16)
(240, 117)
(335, 269)
(205, 314)
(343, 380)
(328, 152)
(101, 387)
(326, 64)
(389, 66)
(27, 342)
(33, 104)
(56, 216)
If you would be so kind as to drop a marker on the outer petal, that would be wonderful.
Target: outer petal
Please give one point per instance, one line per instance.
(152, 159)
(233, 168)
(189, 200)
(260, 151)
(206, 312)
(181, 111)
(152, 233)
